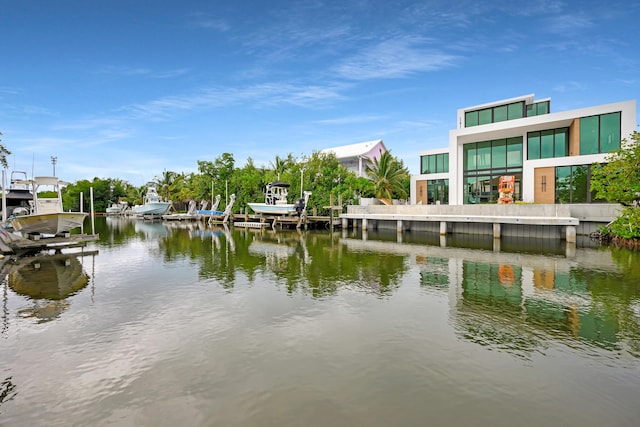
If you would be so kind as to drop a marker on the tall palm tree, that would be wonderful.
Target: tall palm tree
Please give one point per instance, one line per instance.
(388, 175)
(280, 165)
(164, 183)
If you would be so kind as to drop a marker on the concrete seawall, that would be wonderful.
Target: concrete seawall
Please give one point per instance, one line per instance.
(522, 220)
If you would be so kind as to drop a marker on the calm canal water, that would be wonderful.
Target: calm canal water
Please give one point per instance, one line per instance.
(187, 325)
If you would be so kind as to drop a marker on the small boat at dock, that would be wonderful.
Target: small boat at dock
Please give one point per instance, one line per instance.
(276, 203)
(46, 214)
(153, 204)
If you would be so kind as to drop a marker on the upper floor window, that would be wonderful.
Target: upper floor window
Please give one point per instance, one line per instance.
(548, 143)
(538, 108)
(495, 114)
(600, 134)
(434, 163)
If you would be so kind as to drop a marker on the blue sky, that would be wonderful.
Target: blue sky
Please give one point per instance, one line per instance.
(128, 89)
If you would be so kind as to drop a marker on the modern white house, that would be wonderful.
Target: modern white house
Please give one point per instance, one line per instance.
(356, 157)
(549, 153)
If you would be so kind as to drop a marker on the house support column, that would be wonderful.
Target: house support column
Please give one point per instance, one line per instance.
(443, 228)
(399, 226)
(570, 231)
(364, 224)
(345, 223)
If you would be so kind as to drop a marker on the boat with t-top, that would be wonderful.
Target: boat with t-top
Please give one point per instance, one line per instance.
(45, 214)
(153, 204)
(275, 201)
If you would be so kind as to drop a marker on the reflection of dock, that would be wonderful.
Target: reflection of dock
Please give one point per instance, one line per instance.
(12, 243)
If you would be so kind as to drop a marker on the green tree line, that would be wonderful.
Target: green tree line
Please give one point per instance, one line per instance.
(320, 173)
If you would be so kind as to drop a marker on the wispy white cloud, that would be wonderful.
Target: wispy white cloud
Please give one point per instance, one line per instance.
(9, 90)
(395, 58)
(568, 24)
(202, 20)
(142, 72)
(569, 87)
(267, 94)
(348, 120)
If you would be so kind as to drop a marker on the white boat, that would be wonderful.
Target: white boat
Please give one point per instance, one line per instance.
(18, 194)
(153, 204)
(46, 215)
(117, 208)
(275, 201)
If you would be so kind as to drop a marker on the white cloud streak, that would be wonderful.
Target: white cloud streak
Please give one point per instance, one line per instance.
(395, 58)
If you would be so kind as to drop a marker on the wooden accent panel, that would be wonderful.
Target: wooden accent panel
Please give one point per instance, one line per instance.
(574, 138)
(421, 192)
(545, 185)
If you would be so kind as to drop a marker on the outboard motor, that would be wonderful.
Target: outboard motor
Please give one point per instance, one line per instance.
(299, 206)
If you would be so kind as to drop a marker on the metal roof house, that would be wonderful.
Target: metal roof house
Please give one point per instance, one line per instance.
(355, 157)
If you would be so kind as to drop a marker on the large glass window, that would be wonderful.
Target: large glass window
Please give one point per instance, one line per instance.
(485, 162)
(499, 153)
(573, 184)
(561, 143)
(484, 116)
(516, 110)
(471, 118)
(538, 108)
(533, 145)
(600, 134)
(470, 156)
(434, 163)
(548, 143)
(589, 135)
(495, 114)
(438, 191)
(500, 113)
(514, 152)
(483, 155)
(609, 132)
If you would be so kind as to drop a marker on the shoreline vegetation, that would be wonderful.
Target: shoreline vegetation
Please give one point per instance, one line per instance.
(618, 181)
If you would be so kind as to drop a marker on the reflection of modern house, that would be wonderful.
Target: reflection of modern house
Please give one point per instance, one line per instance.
(549, 154)
(356, 157)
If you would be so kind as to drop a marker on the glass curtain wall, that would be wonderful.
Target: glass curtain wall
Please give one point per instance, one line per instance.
(485, 162)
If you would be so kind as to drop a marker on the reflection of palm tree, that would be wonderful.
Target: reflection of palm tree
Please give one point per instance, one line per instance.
(388, 176)
(7, 390)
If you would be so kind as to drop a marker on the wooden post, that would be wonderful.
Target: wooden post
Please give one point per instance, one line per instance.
(331, 210)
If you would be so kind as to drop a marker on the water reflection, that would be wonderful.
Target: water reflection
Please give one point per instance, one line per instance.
(518, 301)
(47, 281)
(512, 297)
(254, 327)
(7, 391)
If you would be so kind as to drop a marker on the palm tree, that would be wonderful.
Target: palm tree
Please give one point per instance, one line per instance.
(164, 183)
(280, 165)
(388, 175)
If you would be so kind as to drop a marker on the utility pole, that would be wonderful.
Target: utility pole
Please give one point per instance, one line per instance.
(54, 160)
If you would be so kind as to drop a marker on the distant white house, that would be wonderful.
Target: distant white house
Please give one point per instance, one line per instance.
(356, 157)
